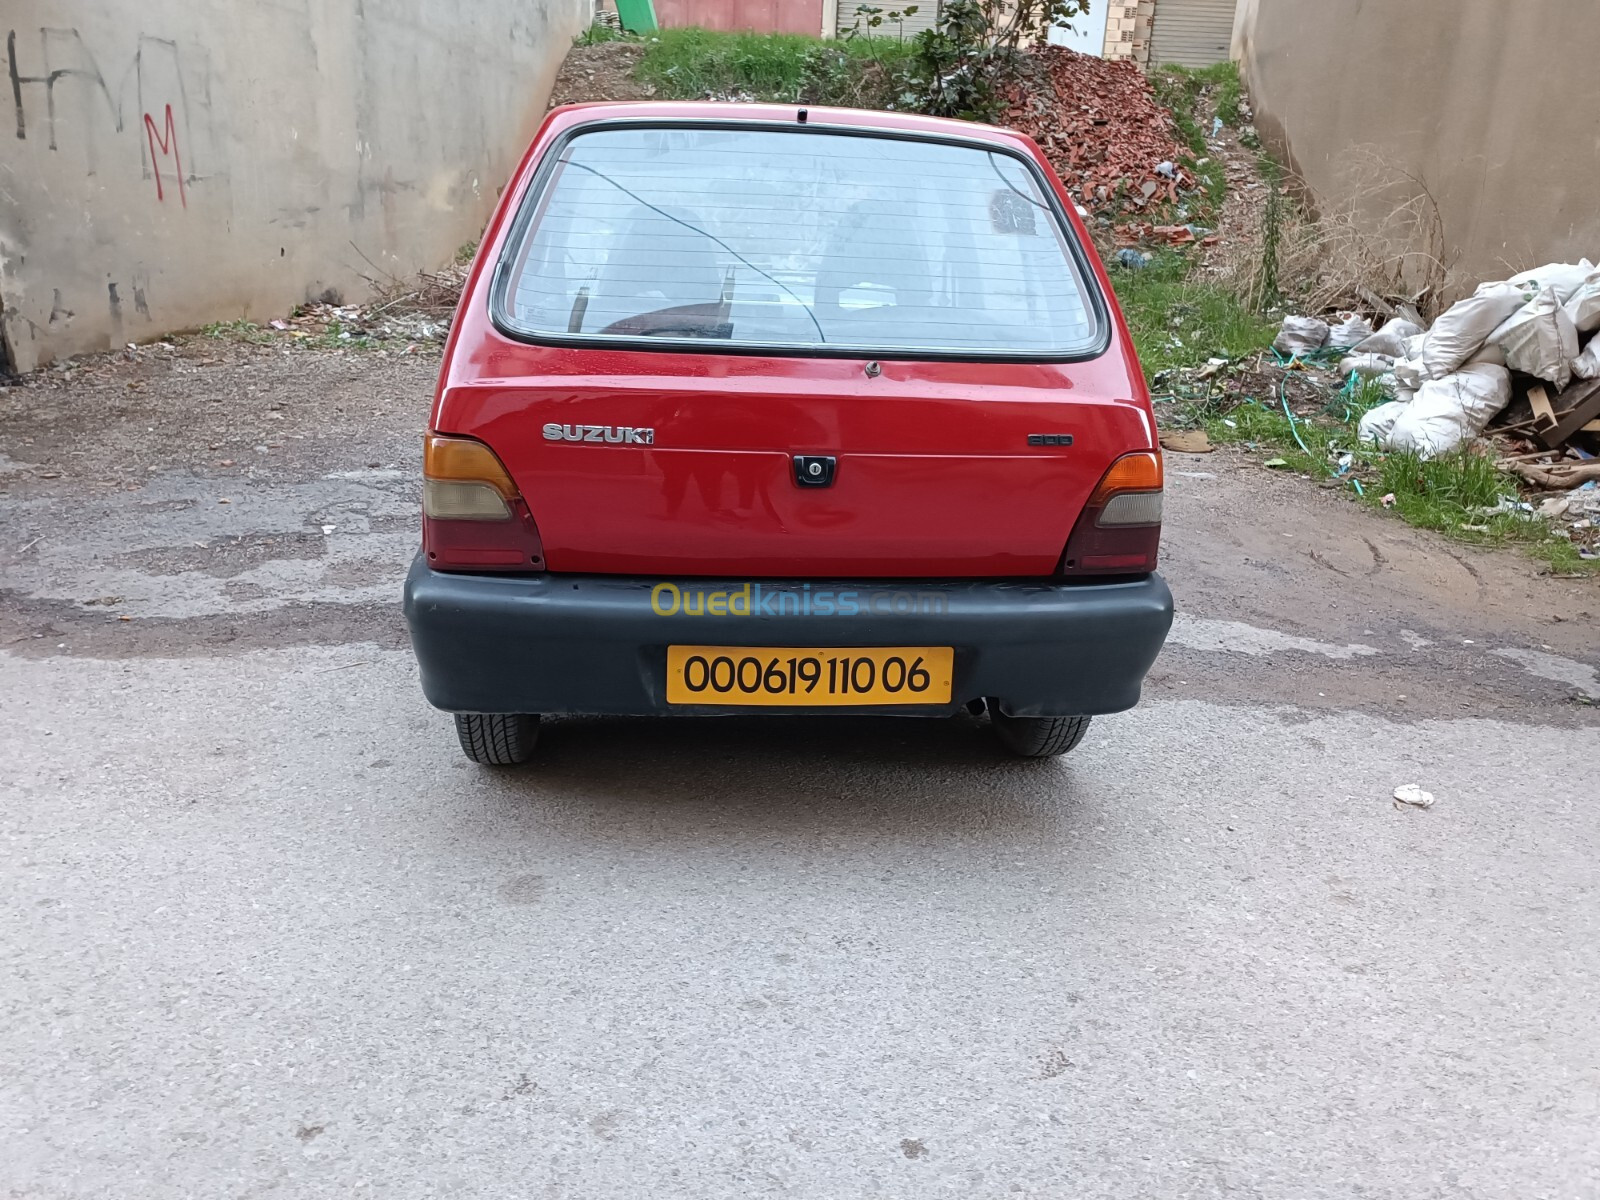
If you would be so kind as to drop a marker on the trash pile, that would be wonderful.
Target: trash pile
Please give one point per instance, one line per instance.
(422, 307)
(1519, 359)
(360, 322)
(1102, 129)
(414, 311)
(1134, 233)
(1528, 338)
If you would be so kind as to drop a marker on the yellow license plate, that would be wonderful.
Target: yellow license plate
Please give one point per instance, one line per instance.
(821, 676)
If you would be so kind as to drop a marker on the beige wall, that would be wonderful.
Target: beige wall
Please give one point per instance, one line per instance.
(175, 162)
(1489, 103)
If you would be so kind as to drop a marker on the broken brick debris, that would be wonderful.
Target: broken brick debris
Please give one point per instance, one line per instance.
(1103, 131)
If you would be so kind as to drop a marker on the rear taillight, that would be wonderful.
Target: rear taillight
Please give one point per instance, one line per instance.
(1119, 530)
(473, 517)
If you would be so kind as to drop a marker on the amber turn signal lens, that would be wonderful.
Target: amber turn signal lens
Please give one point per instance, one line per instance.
(463, 460)
(1140, 471)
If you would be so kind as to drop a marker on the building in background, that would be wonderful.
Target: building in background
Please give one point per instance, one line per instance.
(759, 16)
(1088, 32)
(1193, 33)
(1190, 33)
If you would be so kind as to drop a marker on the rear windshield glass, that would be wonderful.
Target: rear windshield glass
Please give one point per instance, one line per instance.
(809, 240)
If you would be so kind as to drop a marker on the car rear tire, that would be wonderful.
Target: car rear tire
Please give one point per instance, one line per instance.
(497, 739)
(1037, 737)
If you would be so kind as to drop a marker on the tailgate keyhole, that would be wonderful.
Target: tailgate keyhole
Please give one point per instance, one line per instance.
(814, 470)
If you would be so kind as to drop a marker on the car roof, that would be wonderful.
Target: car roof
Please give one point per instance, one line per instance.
(767, 114)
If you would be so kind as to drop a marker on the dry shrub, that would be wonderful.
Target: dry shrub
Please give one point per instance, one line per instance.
(1382, 245)
(430, 293)
(427, 294)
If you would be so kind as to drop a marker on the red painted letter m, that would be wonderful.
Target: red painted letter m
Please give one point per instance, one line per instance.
(167, 141)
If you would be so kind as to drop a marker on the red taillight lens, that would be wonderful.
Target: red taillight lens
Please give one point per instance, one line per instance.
(473, 517)
(1119, 530)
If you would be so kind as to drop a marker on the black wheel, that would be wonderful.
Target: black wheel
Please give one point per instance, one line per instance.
(1037, 737)
(497, 739)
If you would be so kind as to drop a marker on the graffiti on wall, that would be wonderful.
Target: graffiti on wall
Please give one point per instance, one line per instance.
(160, 97)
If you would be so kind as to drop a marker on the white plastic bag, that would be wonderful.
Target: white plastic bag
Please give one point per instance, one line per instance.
(1584, 305)
(1395, 388)
(1587, 364)
(1463, 329)
(1348, 333)
(1492, 353)
(1300, 336)
(1368, 366)
(1540, 339)
(1414, 345)
(1565, 278)
(1410, 373)
(1390, 340)
(1378, 421)
(1450, 412)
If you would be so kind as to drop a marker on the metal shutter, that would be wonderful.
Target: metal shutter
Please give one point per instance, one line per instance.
(1192, 33)
(926, 16)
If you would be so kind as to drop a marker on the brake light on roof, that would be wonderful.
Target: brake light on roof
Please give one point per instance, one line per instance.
(473, 516)
(1119, 530)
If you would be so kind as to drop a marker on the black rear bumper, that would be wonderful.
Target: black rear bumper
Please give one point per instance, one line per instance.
(594, 644)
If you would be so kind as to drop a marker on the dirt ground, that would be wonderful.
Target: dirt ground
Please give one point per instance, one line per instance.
(600, 72)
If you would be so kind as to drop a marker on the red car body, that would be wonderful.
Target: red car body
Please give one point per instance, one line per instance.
(957, 471)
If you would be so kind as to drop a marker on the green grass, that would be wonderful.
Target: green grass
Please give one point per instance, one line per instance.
(330, 338)
(689, 64)
(1178, 90)
(1561, 556)
(1191, 96)
(1442, 493)
(1449, 495)
(1191, 93)
(238, 331)
(1178, 321)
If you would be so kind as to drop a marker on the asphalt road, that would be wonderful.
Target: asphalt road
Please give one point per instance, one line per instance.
(266, 933)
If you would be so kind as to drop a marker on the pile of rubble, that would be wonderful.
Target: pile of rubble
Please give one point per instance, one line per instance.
(420, 308)
(1102, 129)
(1518, 359)
(1530, 338)
(415, 311)
(359, 323)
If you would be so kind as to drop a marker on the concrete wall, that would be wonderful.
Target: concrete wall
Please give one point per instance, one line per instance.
(174, 162)
(1489, 103)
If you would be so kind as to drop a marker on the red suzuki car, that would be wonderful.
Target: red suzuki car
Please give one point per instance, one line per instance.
(751, 408)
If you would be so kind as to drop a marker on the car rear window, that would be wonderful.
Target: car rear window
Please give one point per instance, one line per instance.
(796, 240)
